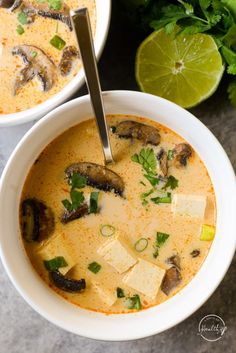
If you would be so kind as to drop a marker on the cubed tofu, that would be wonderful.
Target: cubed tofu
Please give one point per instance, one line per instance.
(106, 295)
(58, 246)
(116, 255)
(191, 205)
(145, 277)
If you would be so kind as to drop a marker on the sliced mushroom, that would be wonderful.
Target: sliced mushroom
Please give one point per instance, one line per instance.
(67, 284)
(171, 280)
(37, 64)
(6, 4)
(195, 253)
(163, 163)
(182, 152)
(37, 220)
(133, 129)
(43, 9)
(98, 176)
(69, 216)
(174, 260)
(16, 5)
(69, 54)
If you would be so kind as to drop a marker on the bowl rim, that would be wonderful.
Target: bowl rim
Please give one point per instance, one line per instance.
(103, 17)
(184, 303)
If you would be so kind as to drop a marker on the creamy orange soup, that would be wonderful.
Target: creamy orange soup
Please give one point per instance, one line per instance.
(136, 244)
(36, 34)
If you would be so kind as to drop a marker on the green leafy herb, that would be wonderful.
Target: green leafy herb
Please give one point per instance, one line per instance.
(94, 267)
(147, 159)
(134, 302)
(107, 230)
(144, 195)
(232, 92)
(170, 155)
(93, 202)
(57, 42)
(34, 54)
(22, 18)
(120, 292)
(172, 183)
(77, 198)
(55, 4)
(77, 181)
(160, 240)
(55, 263)
(164, 199)
(141, 244)
(20, 30)
(153, 180)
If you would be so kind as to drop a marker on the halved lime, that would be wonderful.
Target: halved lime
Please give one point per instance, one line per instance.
(185, 69)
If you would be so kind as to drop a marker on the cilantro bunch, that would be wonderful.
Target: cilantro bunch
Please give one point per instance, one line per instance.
(214, 17)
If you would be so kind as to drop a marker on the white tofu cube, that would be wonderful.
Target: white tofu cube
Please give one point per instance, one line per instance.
(116, 255)
(145, 277)
(106, 295)
(191, 205)
(58, 246)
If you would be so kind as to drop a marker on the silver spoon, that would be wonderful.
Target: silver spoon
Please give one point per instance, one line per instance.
(82, 28)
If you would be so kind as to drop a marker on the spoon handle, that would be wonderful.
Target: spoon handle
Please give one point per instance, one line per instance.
(82, 29)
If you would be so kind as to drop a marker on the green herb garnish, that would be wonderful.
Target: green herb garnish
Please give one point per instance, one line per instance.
(170, 155)
(164, 199)
(172, 183)
(55, 263)
(77, 181)
(147, 159)
(77, 198)
(94, 267)
(160, 240)
(34, 54)
(120, 292)
(153, 180)
(55, 4)
(107, 230)
(141, 244)
(134, 302)
(57, 42)
(22, 18)
(93, 202)
(20, 30)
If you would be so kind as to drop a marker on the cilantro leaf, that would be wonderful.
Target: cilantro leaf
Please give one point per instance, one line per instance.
(77, 198)
(162, 199)
(77, 181)
(160, 240)
(172, 183)
(147, 159)
(232, 92)
(152, 179)
(134, 302)
(22, 18)
(93, 202)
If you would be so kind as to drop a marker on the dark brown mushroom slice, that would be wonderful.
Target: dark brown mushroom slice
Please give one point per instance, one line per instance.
(98, 176)
(171, 280)
(163, 162)
(67, 284)
(44, 10)
(174, 260)
(182, 152)
(195, 253)
(143, 132)
(6, 4)
(37, 220)
(37, 64)
(69, 216)
(69, 55)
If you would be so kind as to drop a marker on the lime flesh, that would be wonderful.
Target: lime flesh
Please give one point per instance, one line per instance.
(186, 69)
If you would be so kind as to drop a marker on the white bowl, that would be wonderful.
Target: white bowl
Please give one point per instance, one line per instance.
(103, 14)
(158, 318)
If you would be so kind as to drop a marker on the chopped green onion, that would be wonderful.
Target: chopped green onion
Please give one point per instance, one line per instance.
(134, 302)
(120, 292)
(170, 155)
(164, 199)
(208, 232)
(94, 267)
(107, 230)
(57, 42)
(34, 54)
(141, 244)
(55, 263)
(22, 18)
(93, 202)
(20, 30)
(77, 181)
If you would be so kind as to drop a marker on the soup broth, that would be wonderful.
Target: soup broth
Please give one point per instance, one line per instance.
(138, 243)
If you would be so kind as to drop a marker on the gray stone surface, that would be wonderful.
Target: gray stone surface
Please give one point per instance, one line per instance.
(23, 330)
